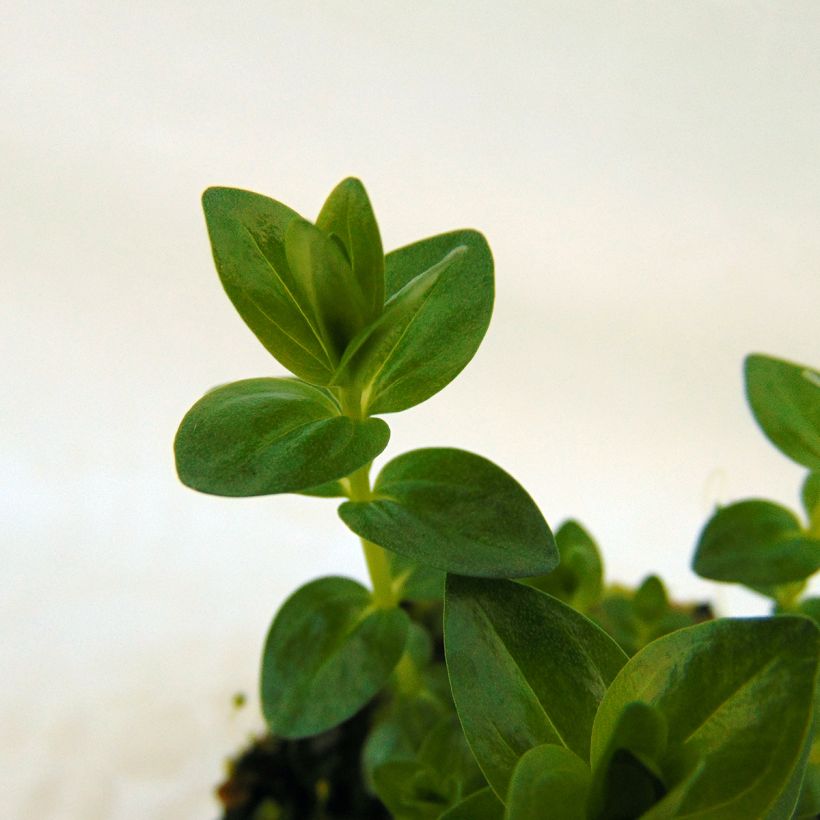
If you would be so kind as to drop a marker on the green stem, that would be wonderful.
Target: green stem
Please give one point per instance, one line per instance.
(378, 564)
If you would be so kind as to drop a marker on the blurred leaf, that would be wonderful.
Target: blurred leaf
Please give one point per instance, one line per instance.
(651, 601)
(785, 400)
(328, 652)
(737, 693)
(440, 298)
(548, 778)
(578, 578)
(810, 495)
(455, 511)
(755, 543)
(481, 805)
(264, 436)
(525, 670)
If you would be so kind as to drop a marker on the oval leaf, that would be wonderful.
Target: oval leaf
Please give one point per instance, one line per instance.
(328, 652)
(348, 216)
(785, 400)
(755, 542)
(264, 436)
(525, 670)
(549, 781)
(457, 512)
(440, 299)
(247, 233)
(738, 693)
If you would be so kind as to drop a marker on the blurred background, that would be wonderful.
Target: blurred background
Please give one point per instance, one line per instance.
(647, 176)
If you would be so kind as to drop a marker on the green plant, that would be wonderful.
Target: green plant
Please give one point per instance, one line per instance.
(537, 710)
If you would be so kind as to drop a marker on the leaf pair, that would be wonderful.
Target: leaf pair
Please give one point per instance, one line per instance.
(332, 309)
(710, 720)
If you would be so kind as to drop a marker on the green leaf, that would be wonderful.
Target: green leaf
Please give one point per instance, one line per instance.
(481, 805)
(651, 601)
(810, 496)
(737, 693)
(755, 543)
(263, 436)
(440, 298)
(324, 276)
(417, 582)
(551, 779)
(247, 233)
(785, 400)
(627, 780)
(457, 512)
(330, 489)
(525, 670)
(578, 578)
(348, 216)
(328, 652)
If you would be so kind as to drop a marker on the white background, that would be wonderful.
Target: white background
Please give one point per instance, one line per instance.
(647, 175)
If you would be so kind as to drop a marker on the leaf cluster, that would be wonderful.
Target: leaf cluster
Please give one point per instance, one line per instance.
(506, 680)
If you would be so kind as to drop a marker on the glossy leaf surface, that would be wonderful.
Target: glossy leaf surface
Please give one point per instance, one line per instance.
(455, 511)
(548, 781)
(738, 694)
(525, 670)
(328, 652)
(263, 436)
(755, 542)
(439, 302)
(785, 400)
(348, 215)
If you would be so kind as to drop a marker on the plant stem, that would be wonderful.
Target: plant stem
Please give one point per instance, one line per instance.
(376, 558)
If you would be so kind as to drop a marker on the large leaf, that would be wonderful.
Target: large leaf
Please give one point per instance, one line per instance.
(785, 399)
(755, 542)
(525, 669)
(328, 652)
(455, 511)
(262, 436)
(549, 781)
(440, 298)
(348, 216)
(736, 693)
(578, 578)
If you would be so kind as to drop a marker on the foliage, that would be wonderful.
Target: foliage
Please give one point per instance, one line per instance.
(491, 671)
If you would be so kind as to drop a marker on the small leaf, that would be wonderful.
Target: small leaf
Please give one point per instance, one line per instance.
(578, 578)
(481, 805)
(264, 436)
(755, 543)
(548, 780)
(247, 233)
(651, 601)
(736, 692)
(328, 652)
(810, 496)
(457, 512)
(785, 400)
(525, 670)
(348, 215)
(440, 298)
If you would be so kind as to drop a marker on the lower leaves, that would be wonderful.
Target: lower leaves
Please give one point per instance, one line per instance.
(328, 652)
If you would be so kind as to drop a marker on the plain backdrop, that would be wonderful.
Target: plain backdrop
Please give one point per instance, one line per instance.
(647, 176)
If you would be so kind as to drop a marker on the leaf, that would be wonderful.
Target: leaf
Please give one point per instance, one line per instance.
(785, 400)
(736, 692)
(651, 601)
(328, 652)
(330, 489)
(324, 276)
(264, 436)
(457, 512)
(525, 670)
(440, 298)
(578, 578)
(247, 233)
(810, 496)
(755, 543)
(481, 805)
(417, 582)
(348, 216)
(548, 777)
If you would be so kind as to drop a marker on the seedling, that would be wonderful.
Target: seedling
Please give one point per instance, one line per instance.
(541, 712)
